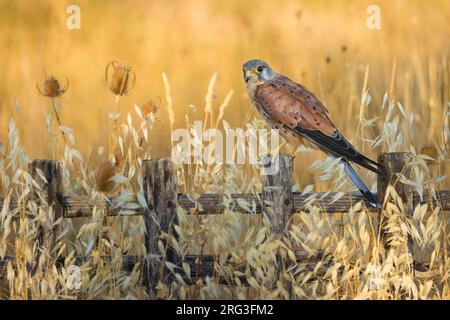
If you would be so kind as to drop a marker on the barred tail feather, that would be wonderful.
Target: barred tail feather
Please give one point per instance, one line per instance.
(360, 184)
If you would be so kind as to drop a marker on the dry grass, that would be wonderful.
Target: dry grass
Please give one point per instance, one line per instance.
(391, 87)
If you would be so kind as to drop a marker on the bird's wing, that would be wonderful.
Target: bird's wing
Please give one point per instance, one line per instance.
(297, 109)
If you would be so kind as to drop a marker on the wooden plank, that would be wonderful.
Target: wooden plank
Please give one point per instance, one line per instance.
(82, 206)
(210, 203)
(441, 199)
(160, 191)
(201, 266)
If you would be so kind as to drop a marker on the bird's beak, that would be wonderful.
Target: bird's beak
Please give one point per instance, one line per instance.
(247, 75)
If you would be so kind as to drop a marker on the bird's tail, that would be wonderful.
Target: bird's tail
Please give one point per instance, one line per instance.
(360, 184)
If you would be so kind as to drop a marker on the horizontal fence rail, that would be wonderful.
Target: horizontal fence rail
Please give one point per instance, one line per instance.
(160, 192)
(211, 203)
(201, 266)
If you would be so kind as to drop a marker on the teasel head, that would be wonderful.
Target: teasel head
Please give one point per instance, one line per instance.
(120, 78)
(103, 177)
(150, 107)
(52, 87)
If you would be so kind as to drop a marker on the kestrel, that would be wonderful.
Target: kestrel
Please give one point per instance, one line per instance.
(301, 118)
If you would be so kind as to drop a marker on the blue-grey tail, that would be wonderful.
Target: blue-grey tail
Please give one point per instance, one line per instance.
(360, 184)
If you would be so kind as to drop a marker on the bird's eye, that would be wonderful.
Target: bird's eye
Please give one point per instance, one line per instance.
(260, 69)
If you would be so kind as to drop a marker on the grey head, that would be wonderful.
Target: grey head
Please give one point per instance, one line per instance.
(257, 71)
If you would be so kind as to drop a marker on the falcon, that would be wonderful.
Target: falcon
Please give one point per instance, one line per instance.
(301, 118)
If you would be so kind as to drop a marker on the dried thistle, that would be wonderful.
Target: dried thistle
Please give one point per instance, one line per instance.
(103, 177)
(150, 107)
(52, 87)
(120, 78)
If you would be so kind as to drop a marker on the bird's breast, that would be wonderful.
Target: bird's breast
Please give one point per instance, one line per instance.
(284, 131)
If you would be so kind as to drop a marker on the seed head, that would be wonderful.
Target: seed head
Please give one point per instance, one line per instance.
(120, 78)
(103, 177)
(52, 88)
(151, 106)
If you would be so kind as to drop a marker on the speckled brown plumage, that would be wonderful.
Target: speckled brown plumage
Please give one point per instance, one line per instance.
(301, 117)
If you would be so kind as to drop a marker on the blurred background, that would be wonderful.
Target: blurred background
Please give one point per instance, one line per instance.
(324, 45)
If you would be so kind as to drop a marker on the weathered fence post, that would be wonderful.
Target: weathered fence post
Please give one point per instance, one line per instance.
(277, 199)
(276, 175)
(394, 163)
(52, 190)
(160, 191)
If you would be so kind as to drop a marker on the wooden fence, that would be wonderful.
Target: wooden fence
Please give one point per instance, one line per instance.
(160, 191)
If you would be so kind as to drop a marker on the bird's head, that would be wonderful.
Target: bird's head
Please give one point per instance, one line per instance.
(257, 71)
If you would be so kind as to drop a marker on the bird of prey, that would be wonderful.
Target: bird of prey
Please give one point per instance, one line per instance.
(301, 118)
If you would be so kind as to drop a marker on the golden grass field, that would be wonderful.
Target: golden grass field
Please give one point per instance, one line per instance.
(324, 45)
